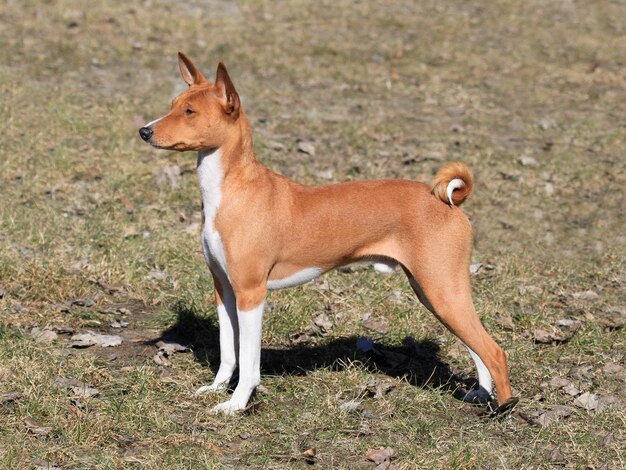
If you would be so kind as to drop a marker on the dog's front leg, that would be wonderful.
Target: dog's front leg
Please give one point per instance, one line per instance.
(250, 335)
(229, 335)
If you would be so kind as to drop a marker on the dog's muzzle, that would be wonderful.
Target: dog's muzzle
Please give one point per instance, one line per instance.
(146, 133)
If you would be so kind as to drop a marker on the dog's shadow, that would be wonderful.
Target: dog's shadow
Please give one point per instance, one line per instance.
(417, 361)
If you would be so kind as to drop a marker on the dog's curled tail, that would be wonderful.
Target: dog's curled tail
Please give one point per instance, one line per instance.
(453, 183)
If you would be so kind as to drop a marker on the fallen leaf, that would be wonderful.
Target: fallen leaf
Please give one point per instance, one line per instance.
(555, 455)
(609, 402)
(170, 347)
(67, 382)
(89, 302)
(376, 324)
(9, 397)
(62, 330)
(350, 406)
(43, 336)
(323, 322)
(158, 275)
(307, 148)
(79, 265)
(533, 290)
(613, 368)
(614, 318)
(85, 391)
(586, 295)
(90, 338)
(380, 455)
(587, 401)
(506, 321)
(45, 465)
(568, 324)
(545, 417)
(34, 428)
(309, 454)
(161, 359)
(379, 388)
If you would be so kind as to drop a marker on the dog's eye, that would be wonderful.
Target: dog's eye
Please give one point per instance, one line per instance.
(189, 112)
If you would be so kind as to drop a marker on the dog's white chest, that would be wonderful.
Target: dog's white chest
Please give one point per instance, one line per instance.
(211, 175)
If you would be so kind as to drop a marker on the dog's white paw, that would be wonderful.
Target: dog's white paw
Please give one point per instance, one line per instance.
(478, 396)
(228, 408)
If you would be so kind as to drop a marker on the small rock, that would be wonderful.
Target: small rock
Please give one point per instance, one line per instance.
(475, 268)
(527, 160)
(307, 148)
(119, 324)
(548, 188)
(276, 146)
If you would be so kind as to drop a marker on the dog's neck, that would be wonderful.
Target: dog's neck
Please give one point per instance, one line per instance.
(235, 158)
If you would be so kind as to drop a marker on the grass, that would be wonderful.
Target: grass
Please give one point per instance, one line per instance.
(381, 91)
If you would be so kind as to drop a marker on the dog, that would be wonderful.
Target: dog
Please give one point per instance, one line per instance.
(264, 231)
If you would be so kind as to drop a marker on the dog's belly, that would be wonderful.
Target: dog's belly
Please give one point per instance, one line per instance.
(295, 279)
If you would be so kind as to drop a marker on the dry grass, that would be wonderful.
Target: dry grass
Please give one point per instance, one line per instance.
(387, 90)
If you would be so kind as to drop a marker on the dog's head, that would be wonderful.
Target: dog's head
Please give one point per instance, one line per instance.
(201, 117)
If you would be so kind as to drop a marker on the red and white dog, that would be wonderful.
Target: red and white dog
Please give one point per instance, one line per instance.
(263, 231)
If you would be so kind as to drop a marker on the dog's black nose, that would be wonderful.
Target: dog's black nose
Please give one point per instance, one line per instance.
(145, 133)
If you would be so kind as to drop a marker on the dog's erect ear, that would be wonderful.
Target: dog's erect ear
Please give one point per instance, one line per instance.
(226, 89)
(190, 73)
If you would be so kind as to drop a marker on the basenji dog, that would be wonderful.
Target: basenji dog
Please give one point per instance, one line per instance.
(263, 231)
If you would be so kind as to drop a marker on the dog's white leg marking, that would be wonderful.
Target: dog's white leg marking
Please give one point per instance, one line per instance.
(483, 394)
(250, 335)
(456, 183)
(229, 339)
(210, 175)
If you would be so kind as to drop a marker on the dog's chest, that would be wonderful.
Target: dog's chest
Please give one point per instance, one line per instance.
(210, 175)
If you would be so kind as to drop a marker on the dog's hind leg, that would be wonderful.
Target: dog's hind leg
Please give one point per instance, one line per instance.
(439, 276)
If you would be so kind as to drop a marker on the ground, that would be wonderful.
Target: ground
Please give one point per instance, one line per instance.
(97, 228)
